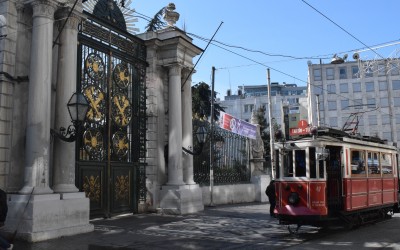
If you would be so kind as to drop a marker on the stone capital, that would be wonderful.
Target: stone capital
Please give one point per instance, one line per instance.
(43, 8)
(175, 70)
(71, 23)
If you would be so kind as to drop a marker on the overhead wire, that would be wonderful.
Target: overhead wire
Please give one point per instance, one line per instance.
(145, 17)
(340, 27)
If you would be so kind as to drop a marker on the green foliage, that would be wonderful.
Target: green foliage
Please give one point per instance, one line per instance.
(201, 101)
(156, 23)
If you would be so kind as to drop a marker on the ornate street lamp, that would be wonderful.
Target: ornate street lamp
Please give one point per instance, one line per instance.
(77, 107)
(201, 135)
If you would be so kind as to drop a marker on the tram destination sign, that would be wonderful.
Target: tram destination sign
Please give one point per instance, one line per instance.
(302, 129)
(237, 126)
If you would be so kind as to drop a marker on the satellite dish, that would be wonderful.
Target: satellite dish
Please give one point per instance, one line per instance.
(345, 57)
(309, 63)
(356, 56)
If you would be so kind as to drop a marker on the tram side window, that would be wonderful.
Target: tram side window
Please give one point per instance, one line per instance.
(288, 164)
(386, 163)
(300, 162)
(373, 164)
(321, 169)
(357, 162)
(313, 167)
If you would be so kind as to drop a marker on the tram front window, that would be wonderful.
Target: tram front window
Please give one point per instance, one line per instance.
(288, 163)
(300, 163)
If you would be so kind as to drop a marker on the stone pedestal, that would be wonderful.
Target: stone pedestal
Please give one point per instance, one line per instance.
(48, 216)
(261, 182)
(184, 199)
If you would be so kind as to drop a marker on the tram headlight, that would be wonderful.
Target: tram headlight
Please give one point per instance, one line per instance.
(294, 198)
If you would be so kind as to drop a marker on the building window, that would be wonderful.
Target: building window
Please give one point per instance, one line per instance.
(396, 101)
(332, 105)
(394, 70)
(387, 136)
(355, 72)
(344, 88)
(342, 73)
(369, 70)
(371, 102)
(381, 70)
(333, 122)
(372, 119)
(317, 74)
(331, 88)
(396, 84)
(356, 87)
(248, 108)
(321, 106)
(344, 104)
(384, 102)
(358, 104)
(382, 85)
(385, 119)
(398, 120)
(330, 74)
(317, 90)
(369, 87)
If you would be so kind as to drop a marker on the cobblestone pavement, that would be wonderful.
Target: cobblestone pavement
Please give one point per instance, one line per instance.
(240, 226)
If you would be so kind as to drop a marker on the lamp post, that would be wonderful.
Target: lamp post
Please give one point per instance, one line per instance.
(77, 107)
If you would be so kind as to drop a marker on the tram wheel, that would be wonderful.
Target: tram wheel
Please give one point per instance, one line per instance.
(296, 231)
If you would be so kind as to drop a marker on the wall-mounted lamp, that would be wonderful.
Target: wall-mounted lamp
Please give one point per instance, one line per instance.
(201, 135)
(77, 108)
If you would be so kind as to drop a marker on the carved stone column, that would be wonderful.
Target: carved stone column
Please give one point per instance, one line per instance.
(187, 127)
(39, 101)
(175, 171)
(64, 152)
(43, 214)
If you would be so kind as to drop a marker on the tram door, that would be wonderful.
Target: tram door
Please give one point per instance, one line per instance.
(334, 179)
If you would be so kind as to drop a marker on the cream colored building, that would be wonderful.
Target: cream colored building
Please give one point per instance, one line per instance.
(370, 90)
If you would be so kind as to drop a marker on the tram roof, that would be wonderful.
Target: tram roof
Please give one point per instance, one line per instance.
(327, 134)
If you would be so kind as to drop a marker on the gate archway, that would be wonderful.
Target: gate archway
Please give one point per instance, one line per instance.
(110, 151)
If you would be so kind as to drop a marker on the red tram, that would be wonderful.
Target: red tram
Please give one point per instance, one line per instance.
(334, 177)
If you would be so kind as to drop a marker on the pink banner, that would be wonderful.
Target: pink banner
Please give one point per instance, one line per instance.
(237, 126)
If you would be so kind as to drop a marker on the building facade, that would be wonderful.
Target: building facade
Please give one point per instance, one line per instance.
(251, 97)
(357, 93)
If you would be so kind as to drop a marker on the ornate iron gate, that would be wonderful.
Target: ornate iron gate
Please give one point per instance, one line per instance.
(111, 148)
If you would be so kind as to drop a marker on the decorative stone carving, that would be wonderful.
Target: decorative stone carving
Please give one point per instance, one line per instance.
(170, 15)
(43, 8)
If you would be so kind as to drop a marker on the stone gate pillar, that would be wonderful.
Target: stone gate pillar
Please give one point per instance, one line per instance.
(64, 152)
(39, 213)
(175, 171)
(39, 100)
(187, 127)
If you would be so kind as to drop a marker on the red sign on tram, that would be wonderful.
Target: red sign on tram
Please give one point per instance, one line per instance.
(302, 128)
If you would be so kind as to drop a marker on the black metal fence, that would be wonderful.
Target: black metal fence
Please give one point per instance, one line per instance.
(230, 161)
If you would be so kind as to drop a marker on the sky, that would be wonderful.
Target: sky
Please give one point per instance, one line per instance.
(287, 34)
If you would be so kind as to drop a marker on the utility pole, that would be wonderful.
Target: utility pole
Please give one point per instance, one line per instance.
(271, 129)
(212, 139)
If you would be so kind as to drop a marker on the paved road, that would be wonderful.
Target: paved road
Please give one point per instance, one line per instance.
(244, 226)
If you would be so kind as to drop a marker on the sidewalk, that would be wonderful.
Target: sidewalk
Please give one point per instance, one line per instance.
(240, 226)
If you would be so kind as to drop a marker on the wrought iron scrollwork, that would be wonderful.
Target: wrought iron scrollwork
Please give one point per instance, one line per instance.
(67, 135)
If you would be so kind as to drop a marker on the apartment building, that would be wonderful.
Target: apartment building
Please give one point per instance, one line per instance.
(250, 97)
(367, 91)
